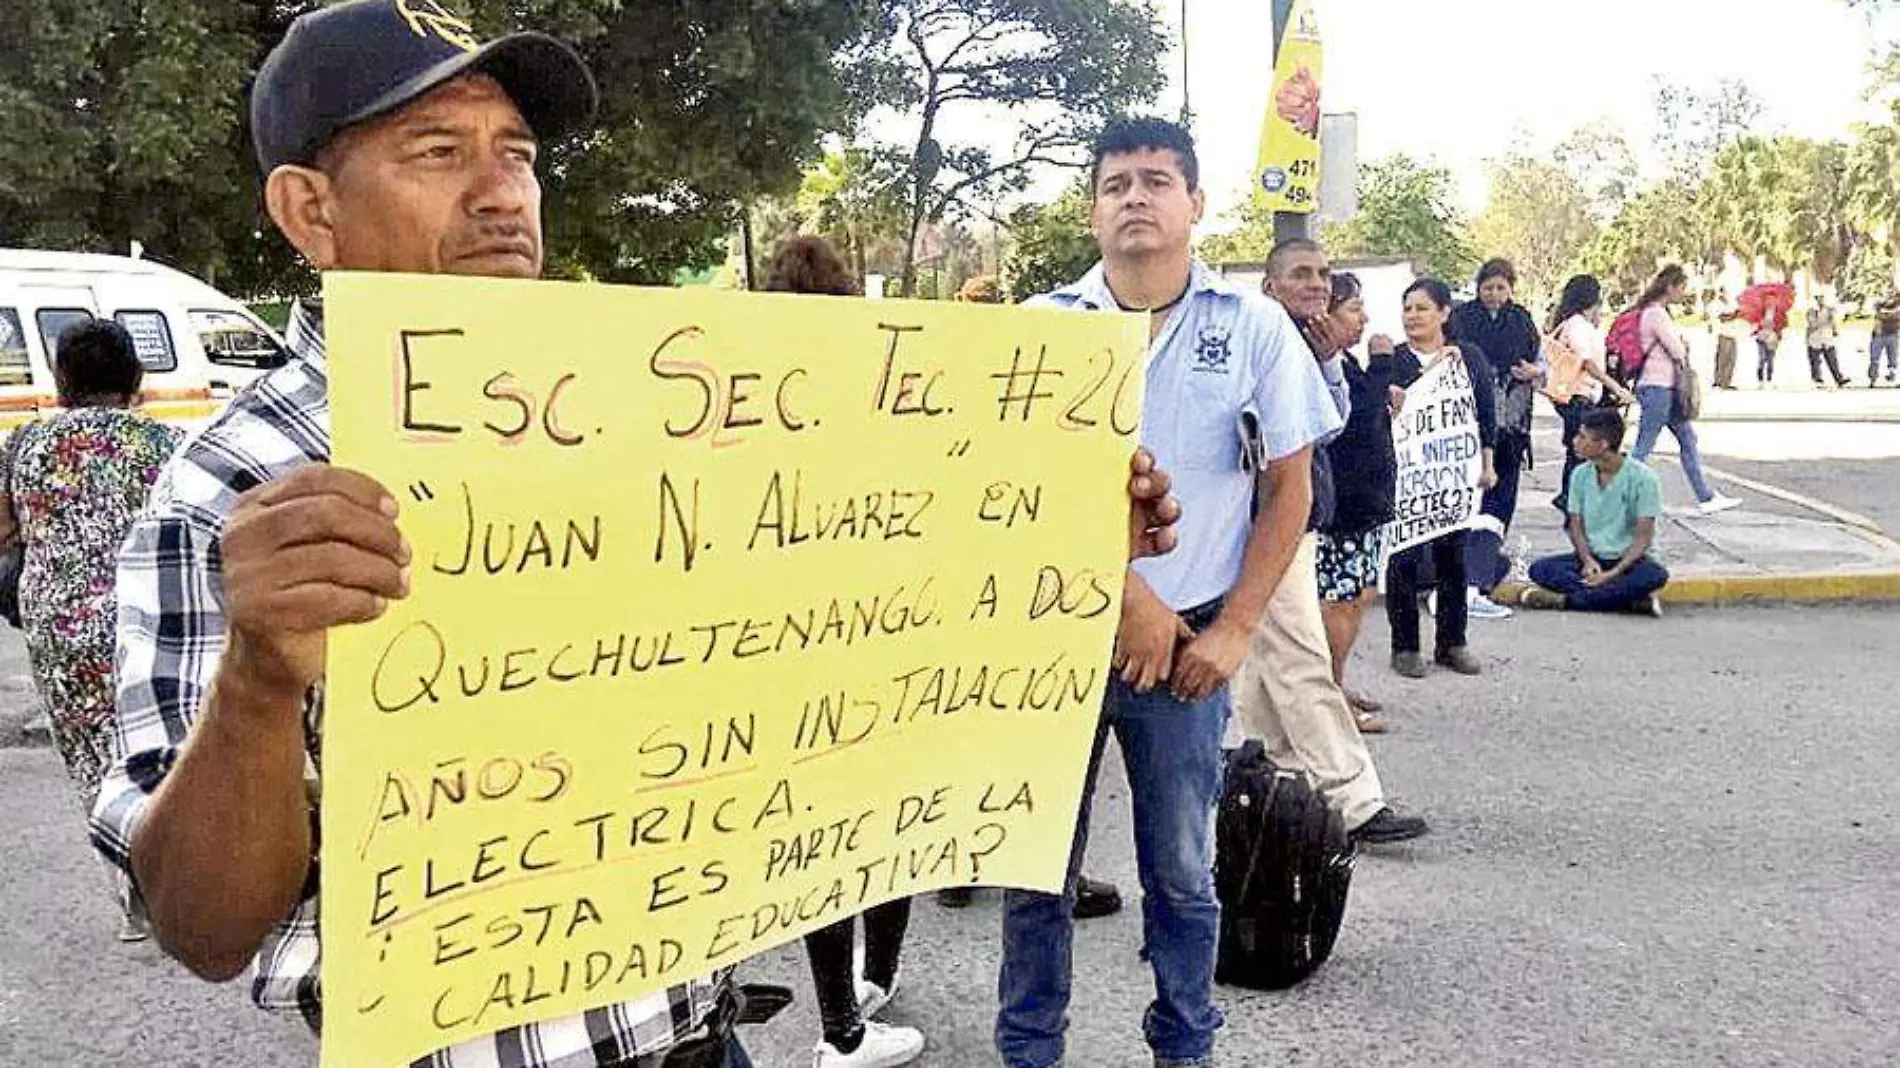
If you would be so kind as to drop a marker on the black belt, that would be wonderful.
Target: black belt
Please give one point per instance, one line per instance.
(1201, 617)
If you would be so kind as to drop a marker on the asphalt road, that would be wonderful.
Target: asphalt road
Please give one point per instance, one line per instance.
(1656, 844)
(1851, 465)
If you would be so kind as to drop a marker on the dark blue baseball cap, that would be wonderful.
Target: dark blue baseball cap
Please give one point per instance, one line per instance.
(362, 59)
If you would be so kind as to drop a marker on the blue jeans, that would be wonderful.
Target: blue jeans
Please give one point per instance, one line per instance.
(1889, 344)
(1173, 756)
(1564, 574)
(1659, 410)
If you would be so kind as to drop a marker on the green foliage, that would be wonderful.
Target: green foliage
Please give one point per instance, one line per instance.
(855, 200)
(1051, 245)
(1055, 69)
(120, 122)
(124, 121)
(1249, 242)
(1660, 225)
(1869, 275)
(706, 104)
(1539, 216)
(1406, 209)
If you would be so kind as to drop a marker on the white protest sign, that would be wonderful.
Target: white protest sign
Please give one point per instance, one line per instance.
(1441, 457)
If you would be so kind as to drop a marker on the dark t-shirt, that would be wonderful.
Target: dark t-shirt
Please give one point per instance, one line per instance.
(1887, 317)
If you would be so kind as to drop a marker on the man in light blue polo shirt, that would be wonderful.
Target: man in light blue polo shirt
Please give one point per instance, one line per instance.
(1231, 391)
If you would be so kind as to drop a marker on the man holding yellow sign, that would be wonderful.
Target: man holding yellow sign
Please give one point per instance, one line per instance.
(391, 142)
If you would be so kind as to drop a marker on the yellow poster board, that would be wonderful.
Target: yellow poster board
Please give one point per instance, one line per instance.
(1287, 178)
(733, 615)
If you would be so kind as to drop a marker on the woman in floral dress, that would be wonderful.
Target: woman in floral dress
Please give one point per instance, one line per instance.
(73, 483)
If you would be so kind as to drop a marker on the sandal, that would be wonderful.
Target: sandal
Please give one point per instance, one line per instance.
(1360, 702)
(1369, 724)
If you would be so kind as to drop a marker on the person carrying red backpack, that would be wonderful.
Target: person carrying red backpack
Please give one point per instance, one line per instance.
(1659, 359)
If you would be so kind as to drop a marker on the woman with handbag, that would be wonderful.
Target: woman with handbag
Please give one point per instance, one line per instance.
(1666, 387)
(74, 483)
(1575, 324)
(1497, 325)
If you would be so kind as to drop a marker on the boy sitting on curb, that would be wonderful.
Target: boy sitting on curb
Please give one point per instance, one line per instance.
(1614, 502)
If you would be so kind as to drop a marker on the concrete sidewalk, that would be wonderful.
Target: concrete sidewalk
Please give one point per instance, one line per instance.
(1779, 546)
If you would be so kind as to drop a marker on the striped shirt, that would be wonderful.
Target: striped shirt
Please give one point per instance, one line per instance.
(170, 637)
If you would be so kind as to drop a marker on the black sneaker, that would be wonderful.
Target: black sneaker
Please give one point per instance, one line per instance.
(1388, 826)
(1093, 899)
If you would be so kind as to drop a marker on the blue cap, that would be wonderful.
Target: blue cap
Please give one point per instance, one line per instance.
(354, 61)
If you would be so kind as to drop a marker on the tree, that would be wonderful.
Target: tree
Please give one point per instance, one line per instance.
(1816, 221)
(1248, 242)
(1602, 162)
(1538, 216)
(1056, 69)
(1406, 209)
(1051, 245)
(707, 105)
(125, 121)
(1660, 225)
(119, 126)
(855, 199)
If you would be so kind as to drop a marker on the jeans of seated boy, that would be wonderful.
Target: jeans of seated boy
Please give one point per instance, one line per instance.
(1564, 574)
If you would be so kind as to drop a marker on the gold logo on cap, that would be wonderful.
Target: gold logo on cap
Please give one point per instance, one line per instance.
(426, 17)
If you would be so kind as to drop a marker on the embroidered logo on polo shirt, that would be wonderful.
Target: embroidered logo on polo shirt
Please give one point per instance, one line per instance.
(1212, 351)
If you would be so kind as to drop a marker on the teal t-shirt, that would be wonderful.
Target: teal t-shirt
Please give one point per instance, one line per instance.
(1610, 513)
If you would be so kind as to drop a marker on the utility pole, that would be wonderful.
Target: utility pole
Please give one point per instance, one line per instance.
(1285, 224)
(1187, 101)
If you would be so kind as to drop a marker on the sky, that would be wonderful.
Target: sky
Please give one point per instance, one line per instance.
(1459, 80)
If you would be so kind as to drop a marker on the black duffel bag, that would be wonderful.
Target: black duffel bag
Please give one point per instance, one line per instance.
(1282, 869)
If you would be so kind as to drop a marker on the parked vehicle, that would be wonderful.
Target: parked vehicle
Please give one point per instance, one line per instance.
(199, 346)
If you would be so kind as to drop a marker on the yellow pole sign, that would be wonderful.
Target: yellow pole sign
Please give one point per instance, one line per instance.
(1288, 174)
(733, 615)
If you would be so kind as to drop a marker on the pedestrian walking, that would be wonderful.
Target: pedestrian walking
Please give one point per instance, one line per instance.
(1885, 341)
(1823, 322)
(1575, 323)
(74, 481)
(1774, 320)
(1663, 360)
(1426, 317)
(1218, 354)
(1287, 692)
(848, 1002)
(1730, 331)
(1614, 505)
(1507, 334)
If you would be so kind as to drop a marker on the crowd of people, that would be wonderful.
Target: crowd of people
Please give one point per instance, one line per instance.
(1770, 326)
(175, 596)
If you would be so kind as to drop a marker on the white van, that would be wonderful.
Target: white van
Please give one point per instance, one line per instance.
(198, 345)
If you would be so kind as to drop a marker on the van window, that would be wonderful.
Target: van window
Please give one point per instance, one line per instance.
(16, 367)
(151, 339)
(235, 341)
(54, 322)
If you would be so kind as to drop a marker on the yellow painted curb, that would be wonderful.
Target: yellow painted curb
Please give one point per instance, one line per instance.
(1866, 586)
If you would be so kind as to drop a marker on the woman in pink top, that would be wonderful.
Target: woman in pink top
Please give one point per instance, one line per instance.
(1664, 355)
(1576, 323)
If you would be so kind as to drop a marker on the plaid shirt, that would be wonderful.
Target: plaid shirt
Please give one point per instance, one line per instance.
(171, 635)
